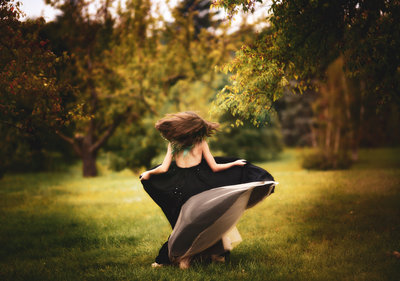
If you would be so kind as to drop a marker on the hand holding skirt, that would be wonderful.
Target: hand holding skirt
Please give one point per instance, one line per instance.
(203, 206)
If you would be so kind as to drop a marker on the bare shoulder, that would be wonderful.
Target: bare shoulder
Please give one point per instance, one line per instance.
(203, 144)
(198, 148)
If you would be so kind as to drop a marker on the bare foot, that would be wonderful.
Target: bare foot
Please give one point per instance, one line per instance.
(184, 263)
(154, 265)
(216, 258)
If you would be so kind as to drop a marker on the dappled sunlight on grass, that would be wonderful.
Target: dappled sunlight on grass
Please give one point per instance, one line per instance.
(319, 225)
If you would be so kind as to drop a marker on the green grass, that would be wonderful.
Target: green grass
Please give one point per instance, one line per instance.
(330, 225)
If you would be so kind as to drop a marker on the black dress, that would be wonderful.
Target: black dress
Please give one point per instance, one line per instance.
(202, 205)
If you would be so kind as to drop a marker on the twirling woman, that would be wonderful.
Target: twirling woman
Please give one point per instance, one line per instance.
(202, 197)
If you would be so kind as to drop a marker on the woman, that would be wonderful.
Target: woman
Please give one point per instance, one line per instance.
(202, 197)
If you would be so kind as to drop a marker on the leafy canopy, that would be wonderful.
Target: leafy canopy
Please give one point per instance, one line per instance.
(304, 37)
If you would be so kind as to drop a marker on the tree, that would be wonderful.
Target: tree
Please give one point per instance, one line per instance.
(174, 72)
(143, 63)
(304, 39)
(296, 118)
(32, 99)
(105, 96)
(31, 95)
(198, 13)
(337, 117)
(249, 142)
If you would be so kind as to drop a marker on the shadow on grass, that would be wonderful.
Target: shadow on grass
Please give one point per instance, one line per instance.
(339, 236)
(52, 241)
(354, 234)
(31, 235)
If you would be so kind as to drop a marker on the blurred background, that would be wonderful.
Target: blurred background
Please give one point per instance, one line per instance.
(85, 81)
(309, 90)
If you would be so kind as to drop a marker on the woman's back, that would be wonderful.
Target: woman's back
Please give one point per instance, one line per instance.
(191, 158)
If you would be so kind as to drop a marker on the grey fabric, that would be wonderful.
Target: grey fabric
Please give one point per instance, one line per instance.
(207, 216)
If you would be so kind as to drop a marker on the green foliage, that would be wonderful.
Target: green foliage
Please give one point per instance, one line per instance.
(114, 69)
(303, 44)
(31, 96)
(339, 115)
(171, 70)
(198, 13)
(135, 146)
(296, 118)
(32, 152)
(33, 102)
(326, 160)
(380, 127)
(254, 144)
(257, 82)
(303, 39)
(232, 6)
(86, 40)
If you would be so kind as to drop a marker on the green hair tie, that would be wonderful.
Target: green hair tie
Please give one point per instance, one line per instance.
(186, 150)
(176, 149)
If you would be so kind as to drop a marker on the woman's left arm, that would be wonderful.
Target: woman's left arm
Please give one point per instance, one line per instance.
(162, 168)
(215, 167)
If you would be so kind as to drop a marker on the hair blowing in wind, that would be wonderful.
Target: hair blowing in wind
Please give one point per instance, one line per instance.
(185, 128)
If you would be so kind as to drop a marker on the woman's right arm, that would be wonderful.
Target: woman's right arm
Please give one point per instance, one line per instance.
(215, 167)
(162, 168)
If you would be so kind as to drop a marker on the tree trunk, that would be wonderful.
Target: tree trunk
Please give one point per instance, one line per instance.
(337, 140)
(328, 131)
(89, 163)
(314, 142)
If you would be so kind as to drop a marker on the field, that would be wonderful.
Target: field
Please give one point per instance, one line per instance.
(318, 225)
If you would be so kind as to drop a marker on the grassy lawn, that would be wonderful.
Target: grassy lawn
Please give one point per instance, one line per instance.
(319, 225)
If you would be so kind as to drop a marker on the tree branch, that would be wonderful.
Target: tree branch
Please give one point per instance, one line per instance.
(13, 125)
(173, 79)
(64, 137)
(110, 130)
(141, 97)
(74, 142)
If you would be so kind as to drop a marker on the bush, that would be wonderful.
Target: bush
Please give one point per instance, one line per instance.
(134, 146)
(322, 160)
(254, 144)
(38, 151)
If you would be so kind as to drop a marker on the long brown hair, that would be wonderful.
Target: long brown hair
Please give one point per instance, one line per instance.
(183, 129)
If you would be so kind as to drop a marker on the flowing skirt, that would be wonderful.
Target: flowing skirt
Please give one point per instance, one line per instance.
(208, 216)
(203, 206)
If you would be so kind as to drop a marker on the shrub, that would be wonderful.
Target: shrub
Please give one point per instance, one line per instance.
(322, 160)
